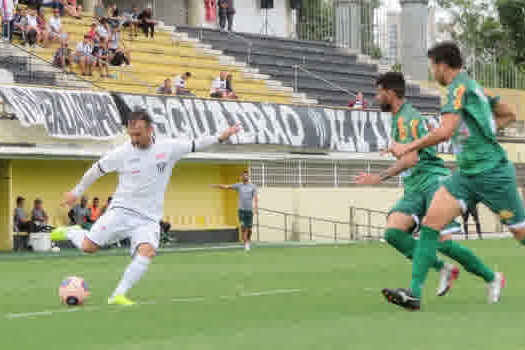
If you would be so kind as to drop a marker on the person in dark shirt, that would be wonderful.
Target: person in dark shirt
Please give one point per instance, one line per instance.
(226, 12)
(38, 215)
(21, 223)
(80, 214)
(147, 23)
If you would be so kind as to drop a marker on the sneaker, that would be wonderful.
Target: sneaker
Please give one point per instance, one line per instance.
(496, 287)
(247, 247)
(120, 300)
(58, 234)
(449, 274)
(402, 297)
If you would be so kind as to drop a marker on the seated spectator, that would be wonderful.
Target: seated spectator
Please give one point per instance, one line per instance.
(218, 86)
(38, 215)
(83, 56)
(62, 58)
(114, 18)
(103, 57)
(180, 85)
(21, 223)
(31, 28)
(359, 102)
(106, 206)
(103, 30)
(96, 210)
(117, 48)
(42, 34)
(132, 22)
(166, 88)
(80, 214)
(229, 88)
(54, 27)
(55, 4)
(73, 9)
(147, 23)
(18, 19)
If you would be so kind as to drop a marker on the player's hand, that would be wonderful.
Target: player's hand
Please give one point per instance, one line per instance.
(399, 149)
(367, 179)
(69, 199)
(232, 130)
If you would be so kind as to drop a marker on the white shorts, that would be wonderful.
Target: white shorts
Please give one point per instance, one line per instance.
(117, 224)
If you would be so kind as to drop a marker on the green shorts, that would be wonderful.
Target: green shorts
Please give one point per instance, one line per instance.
(417, 203)
(496, 188)
(246, 218)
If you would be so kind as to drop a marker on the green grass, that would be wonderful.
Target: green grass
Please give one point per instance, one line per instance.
(333, 302)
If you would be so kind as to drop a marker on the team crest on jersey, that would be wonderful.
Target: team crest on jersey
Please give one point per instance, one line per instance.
(161, 167)
(161, 155)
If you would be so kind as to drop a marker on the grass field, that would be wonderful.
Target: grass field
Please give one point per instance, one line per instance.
(274, 298)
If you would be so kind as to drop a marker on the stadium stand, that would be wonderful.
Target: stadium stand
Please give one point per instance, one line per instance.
(277, 57)
(25, 68)
(172, 54)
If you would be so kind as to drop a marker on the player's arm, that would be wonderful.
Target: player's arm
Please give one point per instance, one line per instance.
(180, 149)
(255, 203)
(403, 163)
(109, 163)
(222, 187)
(503, 113)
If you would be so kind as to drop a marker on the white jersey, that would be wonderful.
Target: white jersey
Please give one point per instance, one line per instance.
(143, 174)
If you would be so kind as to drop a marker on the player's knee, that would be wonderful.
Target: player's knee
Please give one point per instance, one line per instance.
(146, 250)
(89, 247)
(391, 236)
(519, 234)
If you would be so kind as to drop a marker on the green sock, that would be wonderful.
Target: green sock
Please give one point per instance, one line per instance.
(405, 244)
(467, 259)
(424, 257)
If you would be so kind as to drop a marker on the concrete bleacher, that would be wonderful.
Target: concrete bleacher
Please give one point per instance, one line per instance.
(277, 57)
(172, 54)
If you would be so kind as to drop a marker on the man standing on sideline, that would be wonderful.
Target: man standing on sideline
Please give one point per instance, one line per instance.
(472, 210)
(248, 205)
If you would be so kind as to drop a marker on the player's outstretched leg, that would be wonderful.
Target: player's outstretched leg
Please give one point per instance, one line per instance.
(134, 272)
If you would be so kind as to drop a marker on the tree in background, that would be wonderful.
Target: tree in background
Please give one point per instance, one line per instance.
(512, 18)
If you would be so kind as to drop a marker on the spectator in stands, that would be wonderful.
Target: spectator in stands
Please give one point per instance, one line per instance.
(42, 33)
(106, 206)
(7, 13)
(117, 48)
(54, 4)
(62, 57)
(218, 86)
(31, 28)
(359, 102)
(38, 215)
(83, 56)
(103, 57)
(17, 20)
(180, 85)
(96, 210)
(114, 18)
(103, 29)
(132, 22)
(21, 223)
(80, 214)
(226, 12)
(166, 88)
(54, 27)
(73, 9)
(229, 88)
(147, 23)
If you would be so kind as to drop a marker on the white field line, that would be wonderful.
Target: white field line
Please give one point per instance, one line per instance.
(151, 302)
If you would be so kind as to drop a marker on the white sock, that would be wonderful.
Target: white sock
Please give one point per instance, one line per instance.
(76, 236)
(133, 273)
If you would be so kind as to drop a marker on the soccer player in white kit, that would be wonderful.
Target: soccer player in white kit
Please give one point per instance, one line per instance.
(144, 168)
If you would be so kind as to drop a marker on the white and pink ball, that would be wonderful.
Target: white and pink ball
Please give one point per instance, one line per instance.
(73, 291)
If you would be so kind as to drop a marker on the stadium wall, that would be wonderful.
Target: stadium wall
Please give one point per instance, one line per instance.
(334, 204)
(189, 202)
(6, 207)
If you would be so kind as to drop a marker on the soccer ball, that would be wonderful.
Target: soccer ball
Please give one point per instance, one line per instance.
(73, 291)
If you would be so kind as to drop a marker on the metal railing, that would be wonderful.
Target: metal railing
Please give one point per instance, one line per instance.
(299, 227)
(298, 67)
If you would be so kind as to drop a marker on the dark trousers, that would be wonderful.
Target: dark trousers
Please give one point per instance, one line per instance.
(7, 29)
(475, 215)
(148, 27)
(225, 16)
